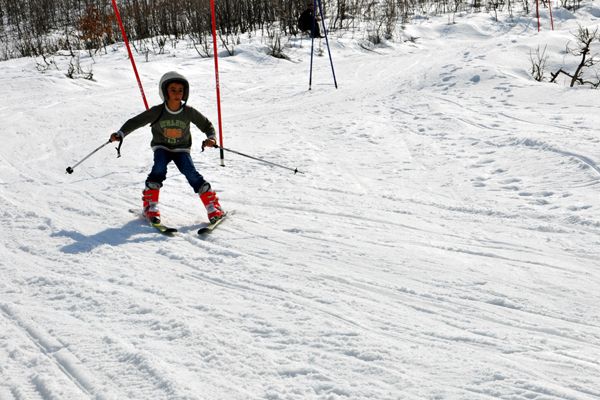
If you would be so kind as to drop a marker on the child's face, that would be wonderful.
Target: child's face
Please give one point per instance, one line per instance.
(175, 91)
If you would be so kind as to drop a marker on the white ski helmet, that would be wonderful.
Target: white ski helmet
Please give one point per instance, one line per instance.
(171, 77)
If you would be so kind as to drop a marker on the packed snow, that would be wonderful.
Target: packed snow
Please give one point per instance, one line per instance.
(441, 240)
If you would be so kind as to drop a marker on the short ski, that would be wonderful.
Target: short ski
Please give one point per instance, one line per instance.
(210, 227)
(165, 230)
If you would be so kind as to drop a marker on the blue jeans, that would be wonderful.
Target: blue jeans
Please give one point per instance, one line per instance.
(184, 164)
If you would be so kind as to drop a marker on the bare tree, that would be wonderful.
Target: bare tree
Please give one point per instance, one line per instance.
(584, 39)
(35, 27)
(95, 28)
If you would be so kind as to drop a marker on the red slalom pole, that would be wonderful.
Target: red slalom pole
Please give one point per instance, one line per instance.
(137, 76)
(216, 56)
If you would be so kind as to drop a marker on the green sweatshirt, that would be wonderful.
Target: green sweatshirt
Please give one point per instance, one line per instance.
(170, 130)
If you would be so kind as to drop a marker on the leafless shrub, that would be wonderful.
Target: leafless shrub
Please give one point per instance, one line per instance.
(538, 63)
(275, 47)
(582, 48)
(46, 64)
(75, 70)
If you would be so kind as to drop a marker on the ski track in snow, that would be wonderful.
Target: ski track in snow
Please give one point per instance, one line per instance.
(442, 243)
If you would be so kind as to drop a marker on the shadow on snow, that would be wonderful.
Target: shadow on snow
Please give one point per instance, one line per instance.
(115, 236)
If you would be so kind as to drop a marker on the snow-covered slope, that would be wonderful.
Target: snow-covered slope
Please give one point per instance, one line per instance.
(442, 243)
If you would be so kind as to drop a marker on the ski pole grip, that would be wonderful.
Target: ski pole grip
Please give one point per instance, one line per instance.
(216, 146)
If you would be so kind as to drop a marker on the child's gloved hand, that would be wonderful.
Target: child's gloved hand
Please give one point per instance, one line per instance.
(117, 136)
(209, 143)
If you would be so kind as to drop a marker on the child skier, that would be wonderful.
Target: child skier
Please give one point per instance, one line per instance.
(171, 141)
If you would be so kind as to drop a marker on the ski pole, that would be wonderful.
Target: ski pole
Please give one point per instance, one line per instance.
(327, 41)
(312, 43)
(70, 169)
(216, 146)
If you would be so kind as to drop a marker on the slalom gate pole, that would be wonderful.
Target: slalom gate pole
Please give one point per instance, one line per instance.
(135, 71)
(216, 56)
(137, 76)
(70, 169)
(312, 44)
(327, 41)
(295, 170)
(537, 12)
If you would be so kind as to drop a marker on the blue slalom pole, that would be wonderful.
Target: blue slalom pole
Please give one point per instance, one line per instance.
(312, 44)
(327, 42)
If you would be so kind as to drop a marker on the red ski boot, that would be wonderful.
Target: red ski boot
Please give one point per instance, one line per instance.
(211, 202)
(150, 198)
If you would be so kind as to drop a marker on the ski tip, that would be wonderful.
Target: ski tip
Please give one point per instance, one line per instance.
(209, 228)
(165, 230)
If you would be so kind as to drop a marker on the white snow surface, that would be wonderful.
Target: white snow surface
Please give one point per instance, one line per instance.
(442, 243)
